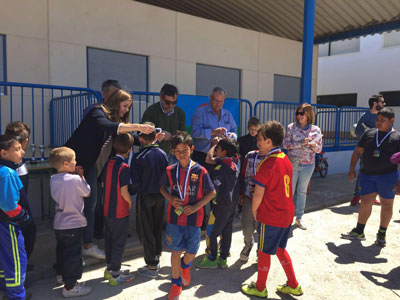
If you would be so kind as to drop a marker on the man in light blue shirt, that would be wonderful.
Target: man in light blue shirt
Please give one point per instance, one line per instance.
(209, 121)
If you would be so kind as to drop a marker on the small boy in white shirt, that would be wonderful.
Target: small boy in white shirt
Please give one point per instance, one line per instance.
(68, 187)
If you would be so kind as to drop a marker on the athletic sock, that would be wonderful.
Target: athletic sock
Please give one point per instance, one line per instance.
(360, 228)
(183, 265)
(264, 263)
(382, 230)
(286, 262)
(177, 281)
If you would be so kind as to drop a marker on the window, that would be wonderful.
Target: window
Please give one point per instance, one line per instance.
(391, 39)
(3, 63)
(286, 88)
(339, 47)
(338, 100)
(129, 69)
(209, 77)
(392, 98)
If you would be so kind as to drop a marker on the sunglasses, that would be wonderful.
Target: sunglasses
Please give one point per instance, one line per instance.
(167, 102)
(301, 113)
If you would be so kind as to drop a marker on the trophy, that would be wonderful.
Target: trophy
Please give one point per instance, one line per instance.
(33, 149)
(42, 159)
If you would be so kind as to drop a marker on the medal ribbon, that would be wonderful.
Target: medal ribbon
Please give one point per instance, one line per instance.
(387, 134)
(182, 194)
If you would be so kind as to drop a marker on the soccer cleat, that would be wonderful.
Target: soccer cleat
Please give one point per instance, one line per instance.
(380, 239)
(206, 263)
(355, 200)
(114, 281)
(353, 235)
(174, 292)
(285, 289)
(185, 275)
(223, 263)
(78, 290)
(251, 290)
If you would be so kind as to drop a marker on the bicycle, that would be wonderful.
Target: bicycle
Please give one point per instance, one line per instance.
(321, 164)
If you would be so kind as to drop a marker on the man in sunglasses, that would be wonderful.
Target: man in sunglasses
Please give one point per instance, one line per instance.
(166, 115)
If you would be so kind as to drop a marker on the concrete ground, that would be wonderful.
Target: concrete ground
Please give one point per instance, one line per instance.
(326, 266)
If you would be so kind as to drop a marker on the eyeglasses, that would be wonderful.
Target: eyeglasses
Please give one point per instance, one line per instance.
(167, 102)
(301, 113)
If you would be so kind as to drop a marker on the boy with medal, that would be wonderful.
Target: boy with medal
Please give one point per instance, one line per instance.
(190, 189)
(378, 175)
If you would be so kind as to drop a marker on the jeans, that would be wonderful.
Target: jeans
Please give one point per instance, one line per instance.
(301, 177)
(90, 205)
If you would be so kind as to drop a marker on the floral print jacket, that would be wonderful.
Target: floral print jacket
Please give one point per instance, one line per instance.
(293, 141)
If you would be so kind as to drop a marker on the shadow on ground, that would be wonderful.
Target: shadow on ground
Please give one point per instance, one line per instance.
(390, 281)
(344, 210)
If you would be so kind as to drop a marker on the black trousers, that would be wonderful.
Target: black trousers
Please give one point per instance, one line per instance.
(29, 233)
(222, 227)
(68, 255)
(149, 225)
(115, 235)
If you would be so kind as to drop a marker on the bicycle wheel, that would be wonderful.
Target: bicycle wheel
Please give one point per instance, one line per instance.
(323, 168)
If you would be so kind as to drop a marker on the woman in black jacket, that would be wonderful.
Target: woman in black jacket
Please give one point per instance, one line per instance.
(93, 138)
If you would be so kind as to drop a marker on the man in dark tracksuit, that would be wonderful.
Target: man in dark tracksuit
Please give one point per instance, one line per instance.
(147, 167)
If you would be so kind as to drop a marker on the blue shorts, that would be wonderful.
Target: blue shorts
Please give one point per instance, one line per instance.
(179, 238)
(270, 238)
(381, 184)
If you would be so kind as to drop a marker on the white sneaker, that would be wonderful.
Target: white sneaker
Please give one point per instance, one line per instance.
(59, 279)
(300, 223)
(78, 290)
(94, 251)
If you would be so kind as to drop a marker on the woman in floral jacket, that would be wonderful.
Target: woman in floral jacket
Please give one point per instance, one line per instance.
(303, 140)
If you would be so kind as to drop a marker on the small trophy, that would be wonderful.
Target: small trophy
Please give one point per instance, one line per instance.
(33, 149)
(42, 159)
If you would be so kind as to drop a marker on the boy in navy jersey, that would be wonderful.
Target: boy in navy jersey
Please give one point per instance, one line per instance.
(117, 203)
(273, 208)
(191, 188)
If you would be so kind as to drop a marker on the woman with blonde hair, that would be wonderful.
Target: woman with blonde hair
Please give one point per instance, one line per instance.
(302, 140)
(92, 143)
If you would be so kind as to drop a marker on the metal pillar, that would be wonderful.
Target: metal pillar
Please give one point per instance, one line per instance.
(308, 43)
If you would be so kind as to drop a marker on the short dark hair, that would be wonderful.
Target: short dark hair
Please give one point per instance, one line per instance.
(373, 99)
(228, 145)
(253, 121)
(123, 142)
(386, 112)
(110, 82)
(181, 137)
(273, 130)
(168, 90)
(148, 137)
(6, 141)
(18, 129)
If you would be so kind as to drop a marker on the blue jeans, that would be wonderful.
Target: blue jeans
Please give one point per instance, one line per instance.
(90, 205)
(301, 177)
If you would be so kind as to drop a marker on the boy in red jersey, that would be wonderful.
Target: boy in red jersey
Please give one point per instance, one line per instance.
(273, 208)
(191, 188)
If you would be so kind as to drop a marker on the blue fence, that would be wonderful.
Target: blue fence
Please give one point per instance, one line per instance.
(335, 123)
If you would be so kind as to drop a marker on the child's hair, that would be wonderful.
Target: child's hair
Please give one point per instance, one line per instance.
(151, 136)
(18, 129)
(58, 156)
(123, 142)
(228, 145)
(386, 112)
(308, 111)
(273, 130)
(6, 141)
(253, 121)
(181, 137)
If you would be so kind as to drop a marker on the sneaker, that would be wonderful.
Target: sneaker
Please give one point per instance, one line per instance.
(207, 251)
(377, 201)
(300, 223)
(251, 290)
(206, 263)
(285, 289)
(380, 239)
(120, 279)
(355, 200)
(94, 251)
(59, 279)
(108, 273)
(145, 271)
(223, 263)
(353, 235)
(174, 292)
(243, 257)
(78, 290)
(185, 275)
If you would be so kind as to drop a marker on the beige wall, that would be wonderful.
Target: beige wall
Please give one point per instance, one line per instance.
(47, 44)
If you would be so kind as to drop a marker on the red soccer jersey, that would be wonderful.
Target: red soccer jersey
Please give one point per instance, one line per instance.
(275, 175)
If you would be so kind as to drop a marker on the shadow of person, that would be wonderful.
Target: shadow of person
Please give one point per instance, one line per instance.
(390, 281)
(356, 252)
(344, 210)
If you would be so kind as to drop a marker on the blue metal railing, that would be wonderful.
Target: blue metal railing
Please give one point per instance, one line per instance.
(347, 117)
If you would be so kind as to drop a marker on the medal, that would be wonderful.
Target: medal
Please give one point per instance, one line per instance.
(377, 152)
(182, 194)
